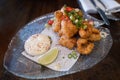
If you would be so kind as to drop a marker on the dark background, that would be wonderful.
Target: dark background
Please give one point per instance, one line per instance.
(16, 13)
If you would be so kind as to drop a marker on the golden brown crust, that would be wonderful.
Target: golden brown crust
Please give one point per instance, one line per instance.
(68, 28)
(67, 42)
(84, 47)
(57, 22)
(95, 36)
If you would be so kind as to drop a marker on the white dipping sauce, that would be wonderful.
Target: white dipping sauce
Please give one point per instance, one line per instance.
(37, 44)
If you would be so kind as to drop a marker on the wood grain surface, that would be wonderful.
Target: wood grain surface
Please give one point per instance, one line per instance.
(14, 14)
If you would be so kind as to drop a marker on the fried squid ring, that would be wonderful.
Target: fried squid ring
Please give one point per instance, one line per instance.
(95, 36)
(84, 46)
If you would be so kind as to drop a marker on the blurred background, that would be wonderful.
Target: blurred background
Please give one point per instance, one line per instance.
(14, 14)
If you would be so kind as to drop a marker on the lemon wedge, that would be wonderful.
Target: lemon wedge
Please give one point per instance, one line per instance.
(48, 57)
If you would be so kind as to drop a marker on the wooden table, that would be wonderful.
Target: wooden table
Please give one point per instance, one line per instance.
(16, 13)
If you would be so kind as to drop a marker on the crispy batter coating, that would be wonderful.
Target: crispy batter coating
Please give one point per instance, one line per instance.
(68, 42)
(85, 33)
(95, 36)
(84, 47)
(57, 22)
(68, 29)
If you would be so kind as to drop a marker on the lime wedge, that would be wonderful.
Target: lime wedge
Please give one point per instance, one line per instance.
(48, 57)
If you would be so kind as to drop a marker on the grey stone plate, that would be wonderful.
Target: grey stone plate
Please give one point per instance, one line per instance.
(20, 66)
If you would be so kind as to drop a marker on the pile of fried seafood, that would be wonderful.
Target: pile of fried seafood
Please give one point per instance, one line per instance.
(74, 30)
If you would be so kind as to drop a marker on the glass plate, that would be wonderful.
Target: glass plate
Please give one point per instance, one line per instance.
(20, 66)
